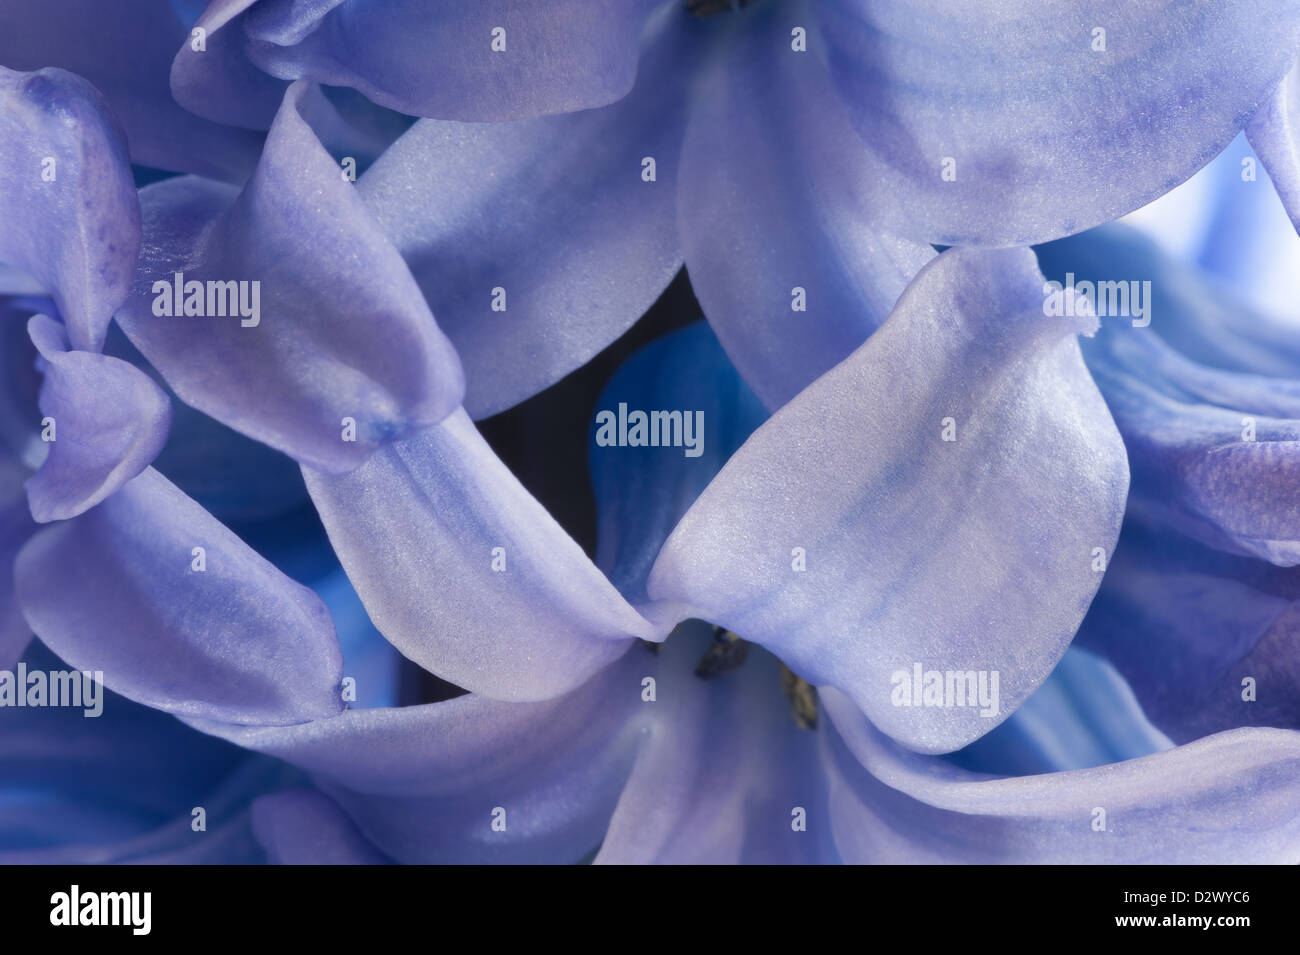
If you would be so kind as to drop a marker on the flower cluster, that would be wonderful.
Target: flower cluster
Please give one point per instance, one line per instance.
(373, 489)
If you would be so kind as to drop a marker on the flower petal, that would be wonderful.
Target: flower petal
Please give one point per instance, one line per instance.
(77, 233)
(16, 526)
(303, 827)
(642, 492)
(1228, 798)
(424, 783)
(724, 772)
(466, 573)
(126, 51)
(444, 58)
(1274, 134)
(121, 786)
(111, 421)
(119, 589)
(1200, 319)
(339, 329)
(1209, 641)
(1215, 452)
(537, 243)
(1085, 715)
(853, 480)
(1051, 127)
(777, 223)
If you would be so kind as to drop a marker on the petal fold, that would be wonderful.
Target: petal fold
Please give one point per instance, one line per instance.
(1228, 798)
(778, 227)
(834, 536)
(539, 242)
(471, 779)
(485, 61)
(466, 573)
(332, 351)
(69, 215)
(111, 421)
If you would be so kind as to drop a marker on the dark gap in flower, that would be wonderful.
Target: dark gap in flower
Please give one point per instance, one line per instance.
(727, 652)
(417, 685)
(544, 440)
(802, 697)
(707, 8)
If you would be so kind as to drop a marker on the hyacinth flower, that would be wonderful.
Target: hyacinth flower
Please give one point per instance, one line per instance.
(573, 155)
(405, 453)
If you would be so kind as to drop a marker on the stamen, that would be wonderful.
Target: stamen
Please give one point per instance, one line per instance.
(725, 654)
(802, 696)
(707, 8)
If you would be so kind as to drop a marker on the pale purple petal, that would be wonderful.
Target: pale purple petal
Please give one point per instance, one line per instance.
(110, 422)
(340, 330)
(1215, 454)
(723, 773)
(1274, 134)
(423, 57)
(217, 633)
(424, 783)
(68, 209)
(302, 827)
(466, 573)
(1209, 641)
(1049, 133)
(125, 49)
(1228, 798)
(781, 238)
(539, 242)
(967, 554)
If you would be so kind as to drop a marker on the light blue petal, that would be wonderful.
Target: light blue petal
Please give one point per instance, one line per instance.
(966, 554)
(1048, 133)
(1228, 798)
(537, 243)
(776, 214)
(340, 332)
(466, 573)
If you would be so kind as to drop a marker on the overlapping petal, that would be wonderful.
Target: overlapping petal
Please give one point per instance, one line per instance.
(68, 210)
(1085, 715)
(1200, 319)
(1223, 799)
(126, 49)
(110, 422)
(1044, 126)
(305, 827)
(329, 327)
(539, 242)
(852, 540)
(466, 573)
(1275, 135)
(1209, 641)
(642, 492)
(724, 776)
(484, 61)
(1215, 451)
(775, 208)
(472, 779)
(178, 612)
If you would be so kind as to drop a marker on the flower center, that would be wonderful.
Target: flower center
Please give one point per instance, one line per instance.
(707, 8)
(727, 652)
